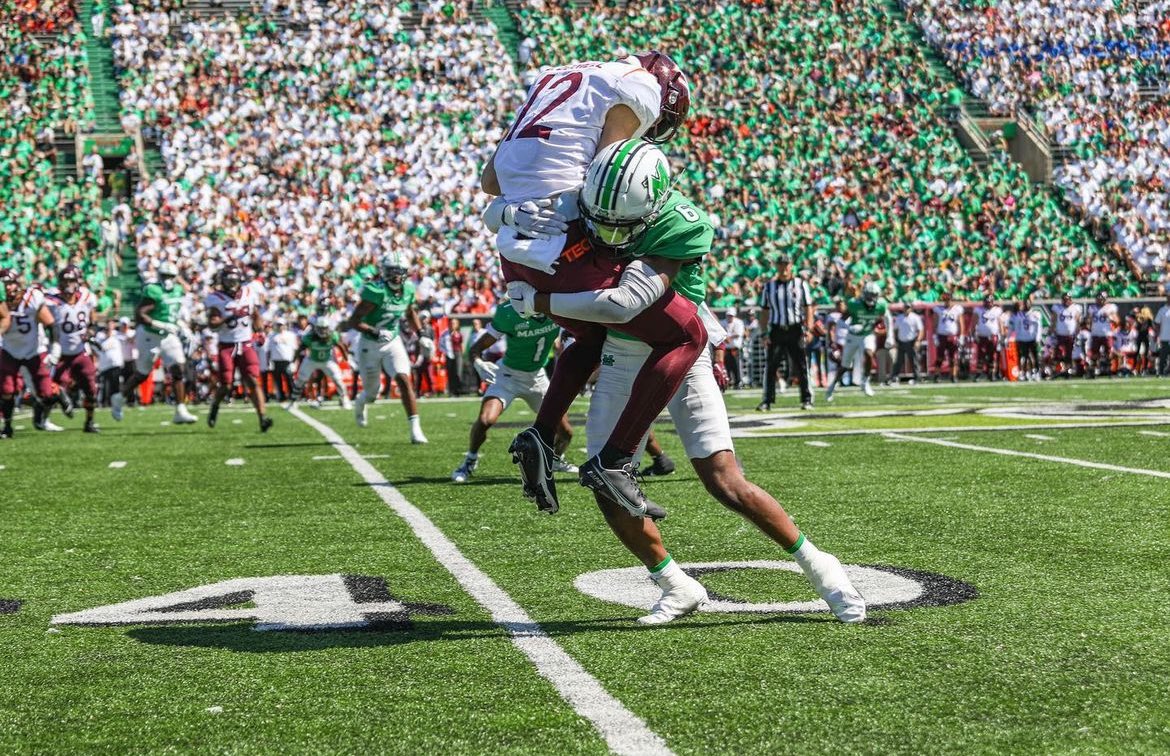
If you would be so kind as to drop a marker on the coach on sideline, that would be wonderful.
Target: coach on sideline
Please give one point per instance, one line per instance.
(788, 311)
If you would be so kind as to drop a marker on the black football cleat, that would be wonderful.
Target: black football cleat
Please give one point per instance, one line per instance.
(90, 427)
(620, 486)
(66, 403)
(213, 415)
(6, 431)
(535, 460)
(265, 424)
(663, 465)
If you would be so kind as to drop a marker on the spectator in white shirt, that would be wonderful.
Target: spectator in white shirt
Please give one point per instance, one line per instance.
(733, 346)
(282, 348)
(908, 329)
(1162, 320)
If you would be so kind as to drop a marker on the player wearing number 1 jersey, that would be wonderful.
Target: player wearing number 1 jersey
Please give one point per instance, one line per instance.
(72, 306)
(530, 344)
(233, 310)
(573, 114)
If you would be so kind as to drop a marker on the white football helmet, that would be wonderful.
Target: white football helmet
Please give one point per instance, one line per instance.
(625, 188)
(393, 269)
(871, 292)
(167, 273)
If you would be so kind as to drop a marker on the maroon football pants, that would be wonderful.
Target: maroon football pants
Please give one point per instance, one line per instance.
(671, 327)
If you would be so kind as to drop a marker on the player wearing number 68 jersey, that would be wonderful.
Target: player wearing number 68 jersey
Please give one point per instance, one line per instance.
(72, 306)
(233, 310)
(530, 344)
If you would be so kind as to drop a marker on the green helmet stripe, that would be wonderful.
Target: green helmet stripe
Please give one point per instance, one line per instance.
(614, 172)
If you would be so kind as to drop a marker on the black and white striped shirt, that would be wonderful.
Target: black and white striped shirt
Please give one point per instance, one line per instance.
(786, 301)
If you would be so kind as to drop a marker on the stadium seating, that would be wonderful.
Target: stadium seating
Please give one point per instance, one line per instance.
(306, 142)
(45, 220)
(1097, 75)
(818, 130)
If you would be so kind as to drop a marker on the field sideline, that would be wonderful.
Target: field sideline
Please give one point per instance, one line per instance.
(1029, 518)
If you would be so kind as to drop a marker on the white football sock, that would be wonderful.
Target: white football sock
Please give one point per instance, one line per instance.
(415, 425)
(667, 574)
(805, 552)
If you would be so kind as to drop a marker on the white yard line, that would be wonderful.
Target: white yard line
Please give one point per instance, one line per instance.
(1032, 455)
(745, 433)
(623, 731)
(821, 444)
(1038, 437)
(1155, 434)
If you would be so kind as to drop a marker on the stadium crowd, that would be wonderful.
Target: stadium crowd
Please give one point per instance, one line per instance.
(305, 144)
(1097, 76)
(818, 130)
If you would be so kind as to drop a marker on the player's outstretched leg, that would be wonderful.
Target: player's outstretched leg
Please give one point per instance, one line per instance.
(490, 410)
(182, 415)
(725, 481)
(660, 463)
(681, 593)
(675, 333)
(410, 404)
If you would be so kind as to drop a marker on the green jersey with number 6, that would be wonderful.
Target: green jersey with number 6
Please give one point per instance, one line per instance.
(530, 340)
(320, 350)
(681, 232)
(166, 305)
(863, 318)
(389, 306)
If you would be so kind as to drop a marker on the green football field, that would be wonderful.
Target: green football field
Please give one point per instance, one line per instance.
(324, 588)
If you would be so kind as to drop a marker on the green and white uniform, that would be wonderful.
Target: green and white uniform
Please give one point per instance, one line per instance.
(152, 342)
(682, 231)
(319, 355)
(385, 352)
(863, 319)
(530, 347)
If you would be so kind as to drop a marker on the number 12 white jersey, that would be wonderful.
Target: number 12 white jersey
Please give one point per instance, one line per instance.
(554, 135)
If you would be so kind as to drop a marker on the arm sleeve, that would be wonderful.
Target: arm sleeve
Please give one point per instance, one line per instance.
(493, 214)
(638, 288)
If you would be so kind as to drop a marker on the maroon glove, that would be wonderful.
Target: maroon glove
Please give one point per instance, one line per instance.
(720, 375)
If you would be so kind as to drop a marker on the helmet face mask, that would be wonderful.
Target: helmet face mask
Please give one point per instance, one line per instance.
(676, 95)
(870, 293)
(69, 281)
(626, 186)
(231, 280)
(393, 271)
(167, 273)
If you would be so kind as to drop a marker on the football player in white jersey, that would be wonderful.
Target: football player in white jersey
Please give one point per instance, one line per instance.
(233, 310)
(948, 335)
(988, 338)
(1026, 325)
(25, 349)
(1105, 322)
(573, 113)
(1068, 324)
(72, 306)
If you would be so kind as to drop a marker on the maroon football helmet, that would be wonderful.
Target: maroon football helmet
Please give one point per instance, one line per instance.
(676, 95)
(231, 278)
(69, 280)
(11, 283)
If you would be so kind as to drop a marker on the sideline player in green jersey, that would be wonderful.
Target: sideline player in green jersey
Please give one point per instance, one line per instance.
(317, 352)
(531, 342)
(159, 318)
(385, 300)
(669, 236)
(863, 314)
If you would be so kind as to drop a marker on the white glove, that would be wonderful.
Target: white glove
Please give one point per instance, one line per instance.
(522, 295)
(386, 336)
(536, 219)
(486, 370)
(170, 328)
(54, 355)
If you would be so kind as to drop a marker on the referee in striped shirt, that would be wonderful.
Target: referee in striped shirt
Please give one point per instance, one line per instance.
(788, 309)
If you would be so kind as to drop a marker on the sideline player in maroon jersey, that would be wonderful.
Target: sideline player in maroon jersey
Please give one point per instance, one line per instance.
(232, 310)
